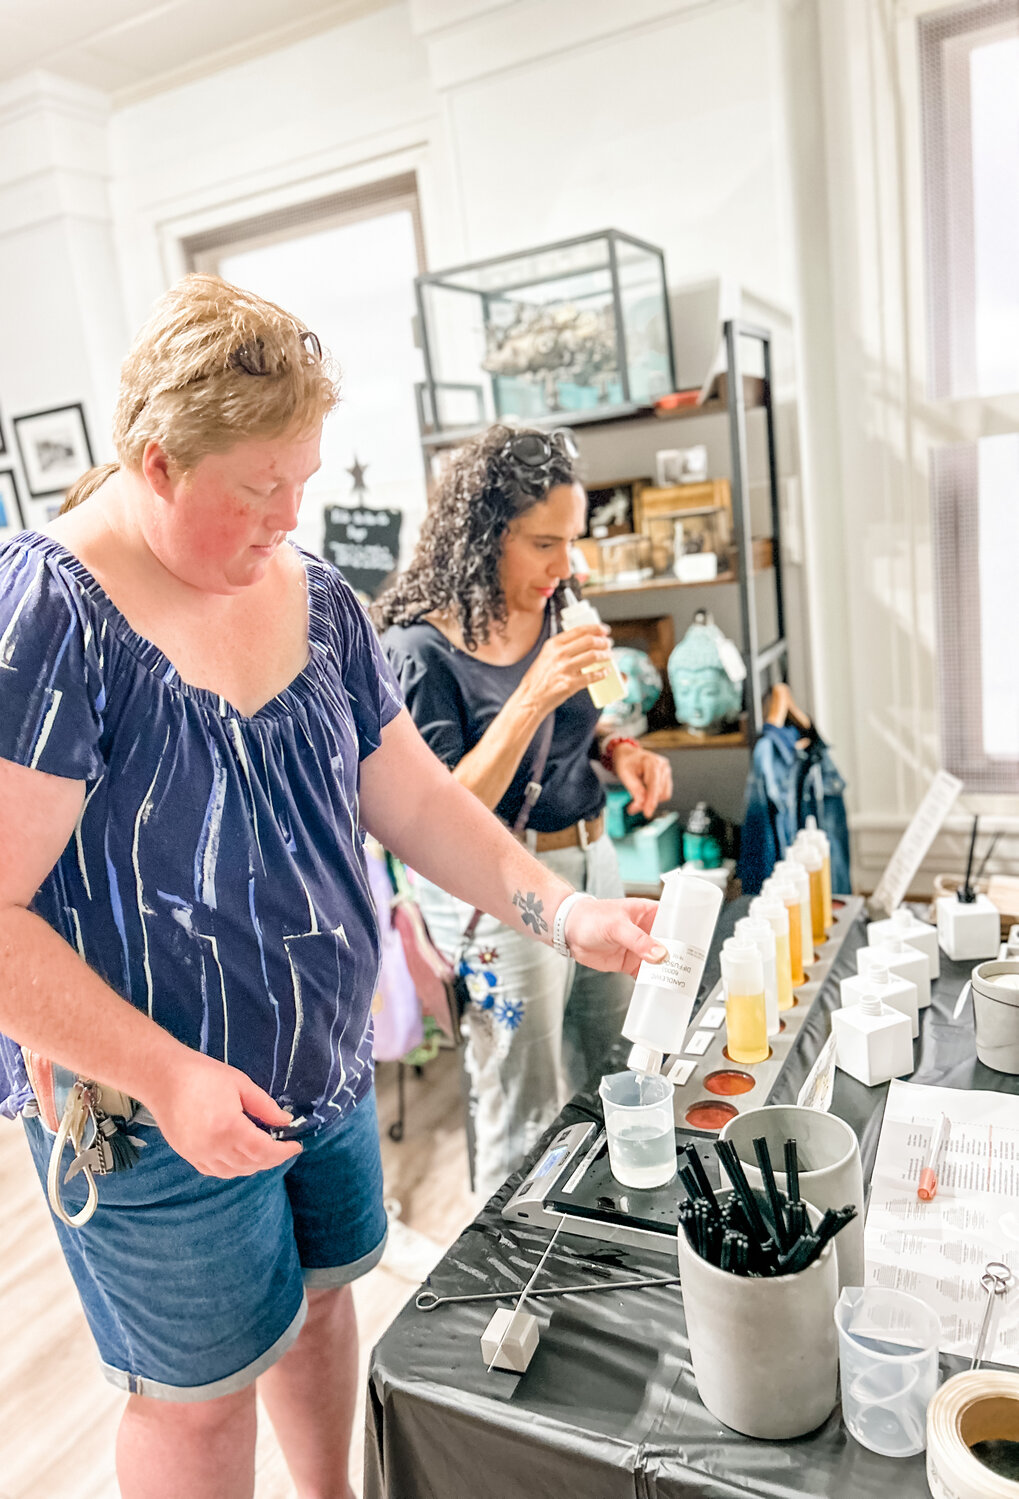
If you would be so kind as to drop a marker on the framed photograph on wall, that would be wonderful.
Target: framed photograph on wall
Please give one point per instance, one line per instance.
(12, 515)
(54, 447)
(3, 439)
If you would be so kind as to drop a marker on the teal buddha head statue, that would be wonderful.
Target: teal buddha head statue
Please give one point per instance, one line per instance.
(642, 684)
(704, 694)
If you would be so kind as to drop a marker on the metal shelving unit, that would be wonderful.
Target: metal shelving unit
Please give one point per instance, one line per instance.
(765, 663)
(761, 661)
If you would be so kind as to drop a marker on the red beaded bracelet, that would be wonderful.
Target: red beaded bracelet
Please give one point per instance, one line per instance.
(611, 745)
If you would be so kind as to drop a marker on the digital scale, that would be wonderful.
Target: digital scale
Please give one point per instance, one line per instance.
(572, 1178)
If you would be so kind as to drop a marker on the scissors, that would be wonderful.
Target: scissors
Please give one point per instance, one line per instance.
(996, 1280)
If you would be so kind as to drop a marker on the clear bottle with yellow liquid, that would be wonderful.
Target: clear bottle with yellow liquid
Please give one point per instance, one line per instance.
(771, 909)
(792, 869)
(785, 891)
(823, 842)
(746, 1023)
(758, 931)
(807, 854)
(609, 688)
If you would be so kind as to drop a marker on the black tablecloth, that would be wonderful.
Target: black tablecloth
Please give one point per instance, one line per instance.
(608, 1406)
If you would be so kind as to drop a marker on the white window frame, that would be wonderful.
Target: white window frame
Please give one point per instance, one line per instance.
(941, 427)
(203, 249)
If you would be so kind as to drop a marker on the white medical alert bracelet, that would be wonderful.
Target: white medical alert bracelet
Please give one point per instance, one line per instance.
(559, 923)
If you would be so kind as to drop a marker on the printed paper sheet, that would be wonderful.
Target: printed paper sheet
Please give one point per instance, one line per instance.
(938, 1250)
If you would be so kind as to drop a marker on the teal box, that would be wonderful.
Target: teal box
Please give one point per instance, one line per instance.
(619, 822)
(649, 852)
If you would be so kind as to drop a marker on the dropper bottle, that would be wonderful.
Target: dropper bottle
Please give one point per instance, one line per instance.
(664, 993)
(746, 1025)
(609, 688)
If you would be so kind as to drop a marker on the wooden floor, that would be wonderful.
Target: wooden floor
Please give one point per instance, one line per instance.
(58, 1416)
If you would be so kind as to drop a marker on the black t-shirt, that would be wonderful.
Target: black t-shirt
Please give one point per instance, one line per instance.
(453, 697)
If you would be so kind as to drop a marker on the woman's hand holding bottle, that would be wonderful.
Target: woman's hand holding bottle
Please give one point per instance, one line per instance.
(565, 665)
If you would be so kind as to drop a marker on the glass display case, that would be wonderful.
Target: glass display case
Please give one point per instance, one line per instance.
(577, 328)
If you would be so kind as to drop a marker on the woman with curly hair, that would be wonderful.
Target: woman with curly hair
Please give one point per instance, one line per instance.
(470, 629)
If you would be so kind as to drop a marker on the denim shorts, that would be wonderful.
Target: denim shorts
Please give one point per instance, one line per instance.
(194, 1285)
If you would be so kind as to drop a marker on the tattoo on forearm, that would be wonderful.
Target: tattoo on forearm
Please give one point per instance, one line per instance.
(530, 911)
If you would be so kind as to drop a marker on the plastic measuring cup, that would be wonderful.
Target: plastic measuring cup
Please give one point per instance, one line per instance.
(640, 1128)
(888, 1354)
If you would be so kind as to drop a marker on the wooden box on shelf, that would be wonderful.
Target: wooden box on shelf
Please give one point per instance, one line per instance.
(610, 506)
(713, 494)
(676, 737)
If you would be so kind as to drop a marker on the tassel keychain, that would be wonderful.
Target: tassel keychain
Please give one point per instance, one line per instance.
(109, 1147)
(100, 1146)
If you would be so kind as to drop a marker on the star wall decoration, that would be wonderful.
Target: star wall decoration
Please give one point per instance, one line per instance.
(357, 472)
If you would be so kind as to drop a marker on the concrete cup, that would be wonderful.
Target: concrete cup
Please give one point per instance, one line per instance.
(831, 1173)
(996, 1013)
(764, 1350)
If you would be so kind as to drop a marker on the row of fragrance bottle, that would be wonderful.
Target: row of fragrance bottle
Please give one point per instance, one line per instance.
(763, 963)
(768, 956)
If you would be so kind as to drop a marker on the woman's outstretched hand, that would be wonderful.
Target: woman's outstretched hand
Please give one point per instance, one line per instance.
(613, 935)
(646, 776)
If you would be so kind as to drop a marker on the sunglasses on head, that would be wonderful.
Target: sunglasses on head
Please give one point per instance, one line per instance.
(535, 450)
(252, 359)
(249, 358)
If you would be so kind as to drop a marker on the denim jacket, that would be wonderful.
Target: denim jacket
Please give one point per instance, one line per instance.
(785, 786)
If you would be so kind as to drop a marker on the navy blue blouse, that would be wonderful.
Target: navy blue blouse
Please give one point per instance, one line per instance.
(216, 878)
(453, 698)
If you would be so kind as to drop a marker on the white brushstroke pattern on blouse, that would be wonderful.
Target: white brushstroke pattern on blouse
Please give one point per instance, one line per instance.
(55, 696)
(143, 911)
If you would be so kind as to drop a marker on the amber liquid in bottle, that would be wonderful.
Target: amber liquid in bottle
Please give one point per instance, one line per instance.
(783, 972)
(817, 904)
(796, 945)
(829, 912)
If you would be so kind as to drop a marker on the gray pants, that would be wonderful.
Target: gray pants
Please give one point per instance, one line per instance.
(538, 1025)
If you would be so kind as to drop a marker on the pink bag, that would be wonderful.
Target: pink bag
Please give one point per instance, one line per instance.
(396, 1010)
(431, 972)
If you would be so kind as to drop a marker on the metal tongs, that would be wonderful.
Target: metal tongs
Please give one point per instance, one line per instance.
(996, 1280)
(427, 1300)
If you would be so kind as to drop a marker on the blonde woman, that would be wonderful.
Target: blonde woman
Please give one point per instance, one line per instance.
(196, 724)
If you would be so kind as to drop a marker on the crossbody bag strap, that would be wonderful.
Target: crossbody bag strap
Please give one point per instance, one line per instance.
(541, 744)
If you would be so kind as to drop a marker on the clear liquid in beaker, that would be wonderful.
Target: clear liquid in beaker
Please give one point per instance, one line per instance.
(643, 1154)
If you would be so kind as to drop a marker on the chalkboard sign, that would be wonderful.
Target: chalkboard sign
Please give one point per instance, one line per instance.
(364, 543)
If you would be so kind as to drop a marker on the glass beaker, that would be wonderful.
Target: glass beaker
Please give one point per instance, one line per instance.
(640, 1128)
(888, 1354)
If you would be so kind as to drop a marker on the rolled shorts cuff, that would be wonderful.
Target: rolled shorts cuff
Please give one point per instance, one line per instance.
(154, 1389)
(332, 1276)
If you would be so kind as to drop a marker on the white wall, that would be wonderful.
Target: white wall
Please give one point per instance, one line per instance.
(665, 127)
(62, 327)
(765, 142)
